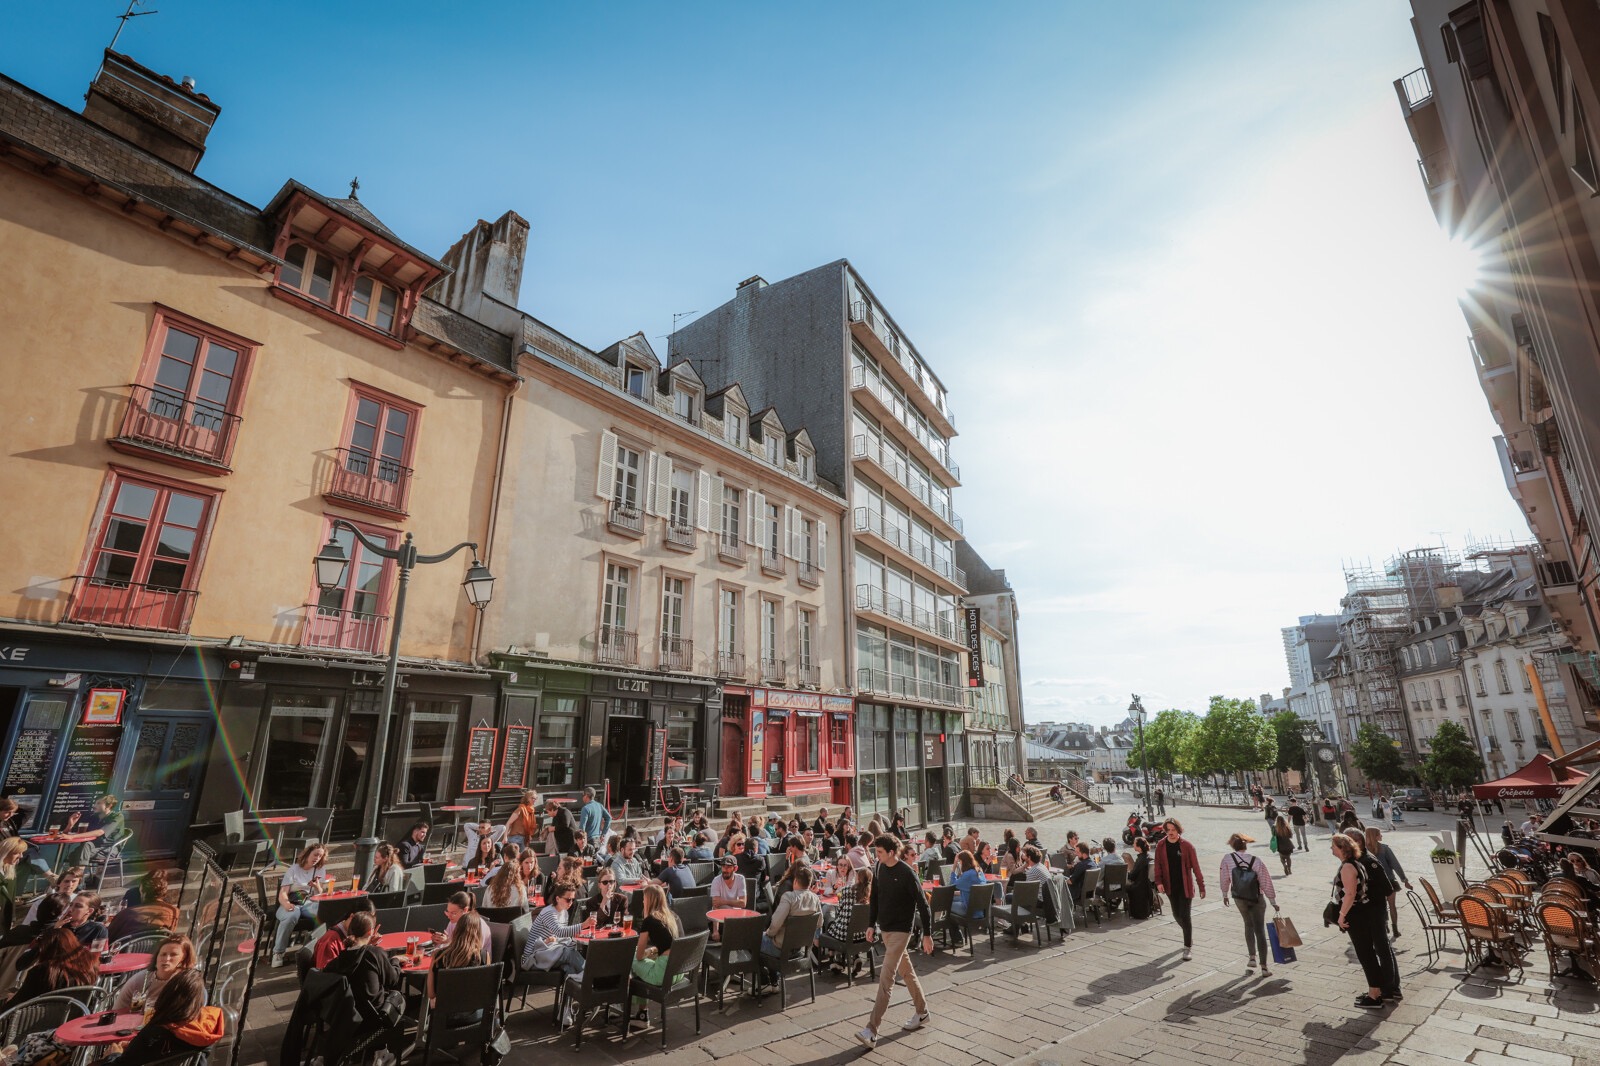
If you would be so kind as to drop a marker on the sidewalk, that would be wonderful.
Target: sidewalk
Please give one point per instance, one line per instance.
(1118, 993)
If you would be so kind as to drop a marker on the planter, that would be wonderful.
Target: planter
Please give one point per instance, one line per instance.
(1447, 869)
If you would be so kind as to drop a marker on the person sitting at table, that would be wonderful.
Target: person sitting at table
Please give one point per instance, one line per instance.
(1034, 869)
(522, 827)
(1141, 888)
(728, 887)
(570, 868)
(1081, 865)
(413, 847)
(10, 820)
(372, 974)
(821, 826)
(550, 939)
(658, 928)
(154, 912)
(1108, 853)
(505, 888)
(967, 877)
(335, 938)
(857, 892)
(57, 960)
(702, 849)
(45, 913)
(172, 956)
(857, 852)
(294, 896)
(104, 825)
(12, 850)
(180, 1023)
(458, 905)
(486, 854)
(840, 874)
(897, 827)
(931, 856)
(988, 862)
(81, 921)
(474, 833)
(628, 869)
(798, 900)
(67, 884)
(462, 951)
(608, 903)
(675, 875)
(1581, 870)
(752, 866)
(583, 847)
(794, 853)
(387, 875)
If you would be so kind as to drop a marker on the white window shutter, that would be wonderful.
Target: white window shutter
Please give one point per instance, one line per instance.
(703, 502)
(822, 545)
(758, 516)
(664, 486)
(606, 476)
(716, 503)
(791, 516)
(648, 504)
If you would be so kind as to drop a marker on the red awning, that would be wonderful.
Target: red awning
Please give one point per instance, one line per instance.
(1537, 780)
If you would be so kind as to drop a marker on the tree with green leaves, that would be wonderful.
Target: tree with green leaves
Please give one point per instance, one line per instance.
(1232, 738)
(1452, 762)
(1378, 757)
(1287, 727)
(1164, 738)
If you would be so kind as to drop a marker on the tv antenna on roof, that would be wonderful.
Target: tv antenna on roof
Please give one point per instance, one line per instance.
(122, 20)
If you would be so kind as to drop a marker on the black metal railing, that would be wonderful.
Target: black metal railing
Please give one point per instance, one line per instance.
(809, 575)
(807, 673)
(772, 563)
(677, 653)
(730, 664)
(369, 481)
(624, 517)
(617, 647)
(730, 547)
(166, 421)
(682, 537)
(328, 627)
(110, 602)
(774, 671)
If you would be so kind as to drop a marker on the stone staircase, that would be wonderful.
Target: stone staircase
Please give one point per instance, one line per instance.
(1039, 804)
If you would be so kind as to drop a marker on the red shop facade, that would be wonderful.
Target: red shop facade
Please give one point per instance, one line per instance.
(785, 743)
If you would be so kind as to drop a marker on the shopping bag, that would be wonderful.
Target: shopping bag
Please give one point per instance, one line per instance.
(1274, 844)
(1280, 954)
(1288, 933)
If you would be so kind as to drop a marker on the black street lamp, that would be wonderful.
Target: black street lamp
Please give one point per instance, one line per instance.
(330, 565)
(1136, 709)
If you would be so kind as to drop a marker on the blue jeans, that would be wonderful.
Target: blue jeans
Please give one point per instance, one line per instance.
(287, 919)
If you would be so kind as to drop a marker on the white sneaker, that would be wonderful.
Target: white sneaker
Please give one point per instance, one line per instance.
(1250, 963)
(277, 959)
(1187, 955)
(1264, 971)
(867, 1039)
(914, 1022)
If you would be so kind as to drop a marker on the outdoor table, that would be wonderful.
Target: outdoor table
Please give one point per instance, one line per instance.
(324, 897)
(995, 877)
(88, 1032)
(722, 914)
(629, 886)
(420, 964)
(127, 962)
(456, 810)
(282, 821)
(608, 933)
(59, 841)
(397, 941)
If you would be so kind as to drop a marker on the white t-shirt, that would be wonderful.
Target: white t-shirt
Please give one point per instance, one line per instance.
(724, 892)
(298, 876)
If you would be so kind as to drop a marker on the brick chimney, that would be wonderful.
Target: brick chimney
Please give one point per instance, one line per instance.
(163, 117)
(485, 277)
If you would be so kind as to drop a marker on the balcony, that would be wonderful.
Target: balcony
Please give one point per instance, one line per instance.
(899, 686)
(898, 470)
(894, 355)
(932, 446)
(730, 665)
(624, 518)
(616, 647)
(679, 538)
(369, 482)
(872, 598)
(774, 671)
(191, 433)
(330, 627)
(808, 674)
(730, 549)
(677, 654)
(809, 575)
(109, 602)
(772, 563)
(1461, 701)
(870, 521)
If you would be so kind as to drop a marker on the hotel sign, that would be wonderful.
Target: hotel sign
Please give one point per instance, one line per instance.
(974, 647)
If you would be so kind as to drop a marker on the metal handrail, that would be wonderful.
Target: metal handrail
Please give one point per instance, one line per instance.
(132, 604)
(619, 647)
(868, 520)
(170, 422)
(864, 447)
(870, 597)
(886, 683)
(335, 627)
(936, 446)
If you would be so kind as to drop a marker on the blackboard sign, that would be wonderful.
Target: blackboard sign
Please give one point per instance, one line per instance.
(514, 759)
(480, 759)
(86, 773)
(657, 770)
(30, 761)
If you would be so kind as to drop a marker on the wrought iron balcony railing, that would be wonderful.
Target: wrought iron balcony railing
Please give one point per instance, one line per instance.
(369, 481)
(164, 421)
(625, 518)
(807, 673)
(616, 647)
(680, 537)
(677, 653)
(774, 671)
(772, 563)
(331, 627)
(110, 602)
(730, 548)
(730, 664)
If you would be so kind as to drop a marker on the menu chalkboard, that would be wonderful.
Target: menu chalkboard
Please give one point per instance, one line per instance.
(657, 770)
(480, 759)
(86, 773)
(30, 761)
(514, 759)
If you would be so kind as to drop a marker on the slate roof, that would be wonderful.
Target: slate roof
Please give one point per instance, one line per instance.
(443, 323)
(355, 210)
(1043, 753)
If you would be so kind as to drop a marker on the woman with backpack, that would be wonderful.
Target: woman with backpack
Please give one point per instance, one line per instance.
(1247, 885)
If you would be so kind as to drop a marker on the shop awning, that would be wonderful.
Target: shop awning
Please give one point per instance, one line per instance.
(1539, 779)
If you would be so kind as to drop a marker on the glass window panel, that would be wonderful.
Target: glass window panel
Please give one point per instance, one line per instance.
(147, 757)
(184, 510)
(558, 731)
(123, 535)
(165, 574)
(361, 299)
(322, 279)
(429, 746)
(388, 303)
(180, 346)
(135, 501)
(114, 569)
(221, 360)
(297, 731)
(294, 265)
(176, 543)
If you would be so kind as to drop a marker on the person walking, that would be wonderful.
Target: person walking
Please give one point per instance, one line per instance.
(1179, 878)
(1330, 814)
(896, 909)
(1297, 819)
(1392, 869)
(1247, 885)
(1161, 801)
(1361, 918)
(1284, 839)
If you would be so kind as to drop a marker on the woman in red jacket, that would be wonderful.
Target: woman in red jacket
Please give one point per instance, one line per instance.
(1178, 875)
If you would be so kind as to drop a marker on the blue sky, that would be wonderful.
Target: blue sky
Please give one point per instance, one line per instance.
(1173, 260)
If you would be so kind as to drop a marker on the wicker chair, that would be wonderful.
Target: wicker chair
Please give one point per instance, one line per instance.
(49, 1012)
(1445, 912)
(1567, 931)
(1488, 932)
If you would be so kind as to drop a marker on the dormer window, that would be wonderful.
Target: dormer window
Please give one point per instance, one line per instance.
(686, 404)
(734, 427)
(773, 452)
(309, 271)
(633, 381)
(807, 463)
(374, 303)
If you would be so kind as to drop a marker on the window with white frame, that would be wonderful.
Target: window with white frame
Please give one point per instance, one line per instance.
(769, 630)
(807, 464)
(1527, 678)
(373, 302)
(807, 626)
(730, 514)
(615, 604)
(1477, 680)
(774, 530)
(674, 600)
(774, 448)
(1501, 677)
(634, 381)
(686, 404)
(733, 426)
(681, 506)
(728, 620)
(625, 486)
(1514, 725)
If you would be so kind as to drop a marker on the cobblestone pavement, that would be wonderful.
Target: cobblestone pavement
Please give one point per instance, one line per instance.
(1118, 992)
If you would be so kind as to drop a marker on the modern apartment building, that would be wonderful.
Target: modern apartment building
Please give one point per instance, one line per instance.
(1503, 112)
(820, 350)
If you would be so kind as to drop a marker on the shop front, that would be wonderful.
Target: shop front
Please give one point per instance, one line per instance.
(800, 744)
(631, 735)
(81, 719)
(910, 760)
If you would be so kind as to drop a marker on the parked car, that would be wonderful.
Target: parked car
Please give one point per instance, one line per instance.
(1413, 799)
(1121, 782)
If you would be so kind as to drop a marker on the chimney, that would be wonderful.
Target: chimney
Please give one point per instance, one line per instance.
(486, 262)
(751, 285)
(151, 110)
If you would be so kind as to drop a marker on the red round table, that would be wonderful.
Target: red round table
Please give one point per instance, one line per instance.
(87, 1032)
(397, 941)
(282, 821)
(929, 886)
(607, 933)
(629, 886)
(343, 894)
(722, 914)
(59, 841)
(420, 964)
(127, 962)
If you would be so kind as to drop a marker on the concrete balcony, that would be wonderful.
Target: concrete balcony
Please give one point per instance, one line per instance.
(192, 434)
(894, 356)
(923, 499)
(889, 408)
(872, 522)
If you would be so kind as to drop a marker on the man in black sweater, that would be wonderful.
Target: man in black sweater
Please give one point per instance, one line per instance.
(897, 907)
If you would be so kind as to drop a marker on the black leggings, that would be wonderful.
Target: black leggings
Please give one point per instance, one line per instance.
(1180, 914)
(1369, 936)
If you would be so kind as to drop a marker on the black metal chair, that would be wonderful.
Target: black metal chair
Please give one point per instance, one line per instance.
(333, 911)
(737, 954)
(519, 980)
(239, 839)
(853, 943)
(794, 955)
(979, 900)
(464, 1012)
(425, 918)
(314, 830)
(685, 960)
(940, 899)
(1023, 911)
(501, 914)
(702, 872)
(692, 912)
(691, 893)
(607, 967)
(441, 893)
(385, 900)
(1113, 886)
(433, 873)
(1087, 902)
(391, 919)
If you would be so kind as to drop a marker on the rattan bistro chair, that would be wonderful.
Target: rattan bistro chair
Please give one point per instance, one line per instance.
(1567, 931)
(1490, 937)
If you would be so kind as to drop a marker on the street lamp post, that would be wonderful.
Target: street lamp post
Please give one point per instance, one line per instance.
(1136, 709)
(331, 563)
